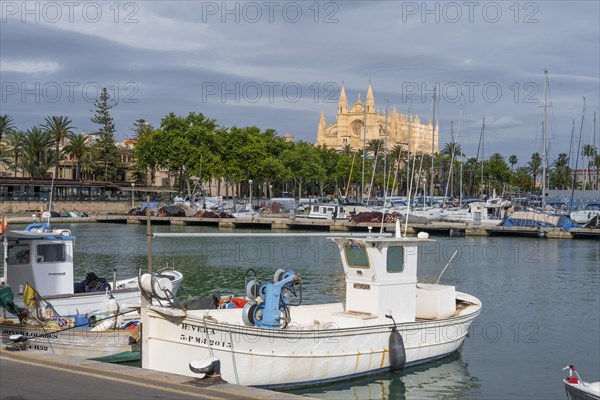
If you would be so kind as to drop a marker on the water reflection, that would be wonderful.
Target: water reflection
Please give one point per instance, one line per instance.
(448, 378)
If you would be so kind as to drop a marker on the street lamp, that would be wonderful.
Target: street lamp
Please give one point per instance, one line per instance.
(132, 192)
(250, 183)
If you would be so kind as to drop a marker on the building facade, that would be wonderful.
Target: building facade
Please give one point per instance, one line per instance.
(349, 127)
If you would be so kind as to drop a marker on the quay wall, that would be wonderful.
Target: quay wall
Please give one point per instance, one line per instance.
(120, 207)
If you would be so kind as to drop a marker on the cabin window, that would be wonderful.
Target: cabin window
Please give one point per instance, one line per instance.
(356, 256)
(51, 252)
(18, 254)
(395, 259)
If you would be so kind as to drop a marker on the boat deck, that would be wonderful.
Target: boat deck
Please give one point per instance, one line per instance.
(80, 379)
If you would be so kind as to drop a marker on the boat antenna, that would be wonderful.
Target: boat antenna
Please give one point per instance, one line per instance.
(574, 181)
(384, 167)
(149, 234)
(449, 262)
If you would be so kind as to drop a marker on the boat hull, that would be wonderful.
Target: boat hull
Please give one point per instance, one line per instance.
(127, 296)
(296, 356)
(579, 392)
(81, 343)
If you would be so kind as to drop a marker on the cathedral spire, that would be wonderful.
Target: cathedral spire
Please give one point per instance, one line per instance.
(370, 101)
(322, 126)
(322, 122)
(342, 102)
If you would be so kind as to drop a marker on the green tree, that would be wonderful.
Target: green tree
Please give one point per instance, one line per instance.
(560, 175)
(15, 140)
(597, 165)
(105, 149)
(533, 166)
(6, 125)
(77, 147)
(102, 115)
(38, 156)
(141, 127)
(523, 179)
(589, 151)
(513, 160)
(59, 127)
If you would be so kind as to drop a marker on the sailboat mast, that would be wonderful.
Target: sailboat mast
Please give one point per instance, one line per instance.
(544, 155)
(571, 142)
(362, 185)
(574, 183)
(408, 155)
(385, 182)
(482, 143)
(460, 127)
(431, 186)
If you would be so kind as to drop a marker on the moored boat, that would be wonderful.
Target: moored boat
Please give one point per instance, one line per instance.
(387, 322)
(577, 389)
(584, 216)
(52, 313)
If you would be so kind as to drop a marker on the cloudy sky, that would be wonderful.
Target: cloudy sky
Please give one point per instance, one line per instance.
(277, 64)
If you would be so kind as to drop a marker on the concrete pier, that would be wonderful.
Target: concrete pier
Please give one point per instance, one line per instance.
(300, 223)
(43, 376)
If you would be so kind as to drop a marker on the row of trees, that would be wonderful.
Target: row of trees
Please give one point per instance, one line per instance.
(195, 147)
(34, 152)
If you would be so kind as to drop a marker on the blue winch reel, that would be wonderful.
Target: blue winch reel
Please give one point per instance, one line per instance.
(272, 310)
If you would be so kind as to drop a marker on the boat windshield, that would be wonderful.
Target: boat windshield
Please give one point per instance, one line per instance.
(54, 252)
(395, 259)
(356, 256)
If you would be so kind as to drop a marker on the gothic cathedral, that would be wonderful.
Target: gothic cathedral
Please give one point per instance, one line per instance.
(349, 127)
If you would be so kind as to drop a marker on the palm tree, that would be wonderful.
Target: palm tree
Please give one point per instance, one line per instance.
(597, 165)
(77, 148)
(561, 172)
(37, 156)
(451, 148)
(59, 128)
(347, 150)
(375, 145)
(534, 165)
(6, 125)
(15, 141)
(512, 160)
(523, 179)
(589, 151)
(87, 164)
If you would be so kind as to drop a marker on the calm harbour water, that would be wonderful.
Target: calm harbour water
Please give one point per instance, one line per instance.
(541, 302)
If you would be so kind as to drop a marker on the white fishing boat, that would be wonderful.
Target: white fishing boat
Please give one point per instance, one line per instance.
(51, 313)
(577, 389)
(388, 321)
(43, 258)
